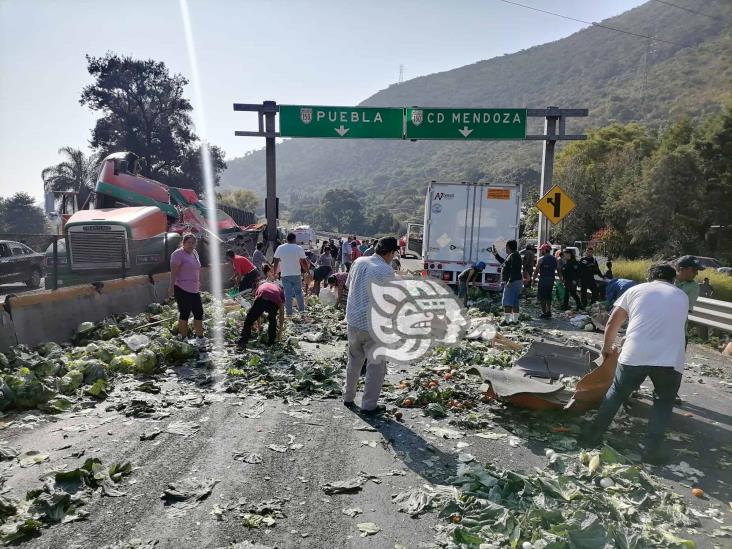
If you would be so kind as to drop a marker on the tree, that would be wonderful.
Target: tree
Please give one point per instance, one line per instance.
(244, 199)
(144, 111)
(341, 210)
(77, 173)
(596, 173)
(20, 215)
(383, 223)
(652, 194)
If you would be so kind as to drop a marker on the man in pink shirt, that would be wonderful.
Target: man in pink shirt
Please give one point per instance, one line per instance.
(269, 298)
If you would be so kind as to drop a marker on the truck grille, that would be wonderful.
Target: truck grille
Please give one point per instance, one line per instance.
(98, 249)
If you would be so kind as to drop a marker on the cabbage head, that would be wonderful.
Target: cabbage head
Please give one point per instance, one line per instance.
(71, 382)
(123, 363)
(146, 362)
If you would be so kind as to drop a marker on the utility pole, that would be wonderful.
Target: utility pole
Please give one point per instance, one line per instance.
(547, 166)
(270, 108)
(266, 113)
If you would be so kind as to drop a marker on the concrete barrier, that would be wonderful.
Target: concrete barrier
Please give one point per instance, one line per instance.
(53, 315)
(7, 331)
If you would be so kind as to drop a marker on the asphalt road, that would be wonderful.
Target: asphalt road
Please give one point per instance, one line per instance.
(335, 447)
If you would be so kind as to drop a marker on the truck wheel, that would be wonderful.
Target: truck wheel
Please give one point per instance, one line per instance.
(35, 279)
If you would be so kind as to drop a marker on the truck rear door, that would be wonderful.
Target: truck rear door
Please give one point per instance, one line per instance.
(497, 210)
(448, 222)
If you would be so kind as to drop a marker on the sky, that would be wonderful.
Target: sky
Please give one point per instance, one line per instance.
(323, 52)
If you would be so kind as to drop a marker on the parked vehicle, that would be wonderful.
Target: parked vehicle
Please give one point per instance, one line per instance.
(462, 221)
(706, 262)
(305, 236)
(414, 240)
(18, 263)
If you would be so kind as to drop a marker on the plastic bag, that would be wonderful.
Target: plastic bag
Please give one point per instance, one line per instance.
(559, 290)
(328, 297)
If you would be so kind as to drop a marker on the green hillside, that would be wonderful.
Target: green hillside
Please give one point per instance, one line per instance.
(616, 76)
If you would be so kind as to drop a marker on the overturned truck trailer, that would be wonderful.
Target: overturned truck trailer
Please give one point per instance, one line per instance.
(536, 379)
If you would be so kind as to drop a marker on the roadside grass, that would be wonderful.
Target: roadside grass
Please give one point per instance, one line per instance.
(638, 269)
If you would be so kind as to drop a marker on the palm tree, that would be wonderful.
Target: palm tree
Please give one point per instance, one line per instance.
(77, 173)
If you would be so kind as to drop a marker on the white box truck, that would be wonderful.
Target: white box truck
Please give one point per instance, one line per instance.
(462, 221)
(305, 236)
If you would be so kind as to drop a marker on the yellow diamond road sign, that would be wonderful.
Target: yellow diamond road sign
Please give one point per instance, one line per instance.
(556, 204)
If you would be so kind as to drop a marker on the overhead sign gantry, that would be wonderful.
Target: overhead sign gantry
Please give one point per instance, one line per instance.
(412, 123)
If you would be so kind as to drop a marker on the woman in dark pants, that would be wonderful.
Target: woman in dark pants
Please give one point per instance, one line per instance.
(185, 274)
(323, 269)
(571, 272)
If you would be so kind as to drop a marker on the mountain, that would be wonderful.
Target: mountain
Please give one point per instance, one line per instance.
(618, 77)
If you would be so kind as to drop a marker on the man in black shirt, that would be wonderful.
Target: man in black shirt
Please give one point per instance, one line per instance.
(571, 274)
(529, 260)
(589, 268)
(512, 277)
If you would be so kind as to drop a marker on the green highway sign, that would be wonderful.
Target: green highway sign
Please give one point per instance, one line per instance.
(341, 122)
(465, 124)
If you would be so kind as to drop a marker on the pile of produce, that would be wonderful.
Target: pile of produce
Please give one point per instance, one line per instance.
(284, 370)
(52, 377)
(596, 500)
(62, 498)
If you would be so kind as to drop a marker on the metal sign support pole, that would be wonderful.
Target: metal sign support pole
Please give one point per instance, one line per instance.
(547, 167)
(266, 113)
(270, 108)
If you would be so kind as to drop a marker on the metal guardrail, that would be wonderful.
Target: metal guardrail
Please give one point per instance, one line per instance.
(319, 234)
(709, 313)
(712, 313)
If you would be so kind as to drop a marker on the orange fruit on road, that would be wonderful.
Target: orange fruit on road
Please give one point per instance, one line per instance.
(698, 492)
(407, 403)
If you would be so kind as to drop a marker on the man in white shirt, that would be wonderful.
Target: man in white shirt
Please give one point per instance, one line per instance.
(654, 347)
(364, 271)
(289, 260)
(346, 254)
